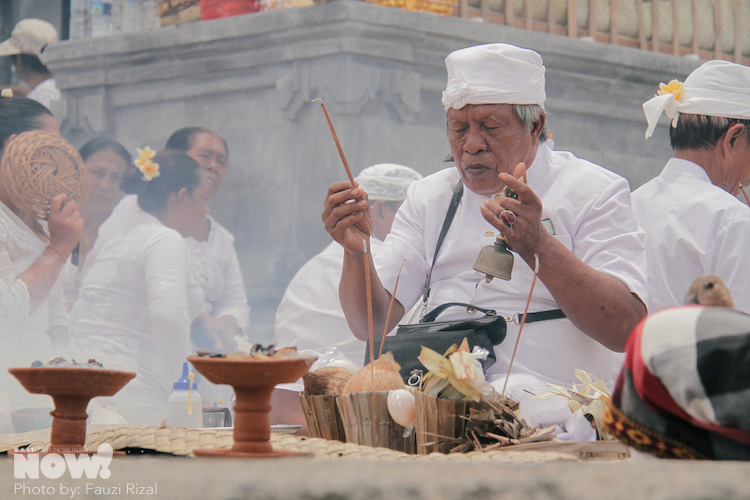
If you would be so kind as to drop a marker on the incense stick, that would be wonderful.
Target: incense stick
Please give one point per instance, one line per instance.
(743, 192)
(343, 158)
(369, 300)
(523, 322)
(370, 336)
(390, 308)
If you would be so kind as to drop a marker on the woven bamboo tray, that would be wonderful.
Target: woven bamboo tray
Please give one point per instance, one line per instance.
(36, 167)
(182, 442)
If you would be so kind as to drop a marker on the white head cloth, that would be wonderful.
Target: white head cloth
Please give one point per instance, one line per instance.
(387, 181)
(494, 73)
(717, 88)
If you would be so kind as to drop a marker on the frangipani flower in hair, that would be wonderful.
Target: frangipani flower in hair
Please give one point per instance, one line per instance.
(148, 168)
(673, 87)
(667, 100)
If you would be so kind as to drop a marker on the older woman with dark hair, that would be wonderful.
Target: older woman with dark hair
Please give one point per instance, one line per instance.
(106, 161)
(32, 254)
(211, 253)
(134, 307)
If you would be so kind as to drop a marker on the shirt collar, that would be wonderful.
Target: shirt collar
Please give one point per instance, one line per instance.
(678, 167)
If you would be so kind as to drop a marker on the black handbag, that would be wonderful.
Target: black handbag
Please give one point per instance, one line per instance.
(485, 331)
(406, 345)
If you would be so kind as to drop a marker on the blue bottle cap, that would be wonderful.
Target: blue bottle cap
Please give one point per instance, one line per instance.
(184, 382)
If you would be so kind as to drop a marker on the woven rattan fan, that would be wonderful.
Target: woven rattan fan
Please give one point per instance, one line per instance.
(36, 167)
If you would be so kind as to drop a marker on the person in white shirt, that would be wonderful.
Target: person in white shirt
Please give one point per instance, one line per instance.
(25, 46)
(33, 253)
(225, 316)
(309, 315)
(135, 305)
(694, 223)
(572, 216)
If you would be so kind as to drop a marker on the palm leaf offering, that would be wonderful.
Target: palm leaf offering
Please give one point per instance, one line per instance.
(462, 417)
(590, 396)
(451, 375)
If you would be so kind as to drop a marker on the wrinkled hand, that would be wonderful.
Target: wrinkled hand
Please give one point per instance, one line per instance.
(65, 224)
(344, 216)
(215, 334)
(527, 235)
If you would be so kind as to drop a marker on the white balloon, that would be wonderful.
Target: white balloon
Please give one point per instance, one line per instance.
(402, 407)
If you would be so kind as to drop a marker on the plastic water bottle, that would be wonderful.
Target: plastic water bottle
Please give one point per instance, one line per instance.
(100, 17)
(79, 19)
(184, 407)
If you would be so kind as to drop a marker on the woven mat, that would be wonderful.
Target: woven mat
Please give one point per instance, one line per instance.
(181, 441)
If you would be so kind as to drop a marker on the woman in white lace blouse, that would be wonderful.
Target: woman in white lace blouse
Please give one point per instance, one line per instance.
(211, 253)
(32, 254)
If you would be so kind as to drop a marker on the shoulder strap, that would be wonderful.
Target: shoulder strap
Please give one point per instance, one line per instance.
(458, 192)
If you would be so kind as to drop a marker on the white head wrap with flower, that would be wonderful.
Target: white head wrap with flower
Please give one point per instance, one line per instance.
(494, 73)
(717, 88)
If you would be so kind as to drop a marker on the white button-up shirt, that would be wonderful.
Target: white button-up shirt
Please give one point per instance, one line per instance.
(586, 207)
(693, 228)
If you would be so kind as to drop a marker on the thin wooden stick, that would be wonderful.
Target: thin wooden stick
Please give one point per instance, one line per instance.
(390, 308)
(744, 193)
(343, 158)
(369, 300)
(523, 322)
(373, 417)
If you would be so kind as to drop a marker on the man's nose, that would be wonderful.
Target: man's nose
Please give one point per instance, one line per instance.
(475, 142)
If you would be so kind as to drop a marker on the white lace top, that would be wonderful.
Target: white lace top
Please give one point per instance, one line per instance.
(24, 334)
(214, 266)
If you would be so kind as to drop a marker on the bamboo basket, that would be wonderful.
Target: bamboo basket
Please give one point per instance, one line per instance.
(358, 411)
(323, 416)
(438, 419)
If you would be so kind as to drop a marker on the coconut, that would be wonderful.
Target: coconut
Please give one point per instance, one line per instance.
(326, 381)
(380, 375)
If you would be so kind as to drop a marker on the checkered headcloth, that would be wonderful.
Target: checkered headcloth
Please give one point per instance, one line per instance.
(684, 391)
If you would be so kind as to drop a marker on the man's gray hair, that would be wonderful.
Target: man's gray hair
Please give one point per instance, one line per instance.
(529, 114)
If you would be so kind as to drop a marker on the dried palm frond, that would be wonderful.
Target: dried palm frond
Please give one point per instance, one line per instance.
(590, 396)
(493, 426)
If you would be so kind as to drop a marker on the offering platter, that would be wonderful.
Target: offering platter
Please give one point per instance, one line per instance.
(71, 389)
(253, 381)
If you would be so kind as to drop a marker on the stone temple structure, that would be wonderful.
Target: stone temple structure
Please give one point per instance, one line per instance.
(380, 71)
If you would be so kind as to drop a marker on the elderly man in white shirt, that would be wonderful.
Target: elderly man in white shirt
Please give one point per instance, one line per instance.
(310, 315)
(694, 223)
(572, 216)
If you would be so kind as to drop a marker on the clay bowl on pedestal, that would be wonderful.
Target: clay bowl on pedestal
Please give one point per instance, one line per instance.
(71, 388)
(253, 381)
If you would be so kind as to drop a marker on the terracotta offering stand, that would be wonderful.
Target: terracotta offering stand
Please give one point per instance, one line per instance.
(253, 381)
(71, 388)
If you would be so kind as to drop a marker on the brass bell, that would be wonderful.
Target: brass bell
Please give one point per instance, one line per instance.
(495, 261)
